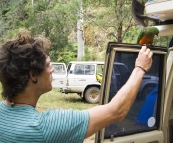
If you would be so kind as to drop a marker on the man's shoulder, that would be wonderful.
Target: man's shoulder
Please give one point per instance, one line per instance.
(64, 112)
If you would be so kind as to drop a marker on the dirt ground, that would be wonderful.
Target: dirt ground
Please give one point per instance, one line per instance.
(88, 140)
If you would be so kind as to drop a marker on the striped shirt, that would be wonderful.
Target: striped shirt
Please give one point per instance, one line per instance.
(23, 124)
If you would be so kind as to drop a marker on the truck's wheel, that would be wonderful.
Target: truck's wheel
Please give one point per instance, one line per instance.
(92, 95)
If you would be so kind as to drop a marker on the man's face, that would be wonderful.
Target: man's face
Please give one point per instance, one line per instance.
(45, 79)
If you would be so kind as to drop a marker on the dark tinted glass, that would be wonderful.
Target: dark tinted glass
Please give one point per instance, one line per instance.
(143, 114)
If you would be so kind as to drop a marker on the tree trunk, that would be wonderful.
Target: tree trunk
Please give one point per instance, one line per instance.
(120, 33)
(80, 38)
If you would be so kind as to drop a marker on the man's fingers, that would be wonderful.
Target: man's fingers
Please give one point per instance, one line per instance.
(144, 58)
(150, 54)
(143, 49)
(147, 51)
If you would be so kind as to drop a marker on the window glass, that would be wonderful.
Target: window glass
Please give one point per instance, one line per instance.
(89, 69)
(143, 115)
(99, 69)
(59, 68)
(84, 69)
(79, 69)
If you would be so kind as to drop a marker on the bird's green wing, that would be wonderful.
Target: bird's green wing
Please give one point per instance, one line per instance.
(151, 32)
(141, 34)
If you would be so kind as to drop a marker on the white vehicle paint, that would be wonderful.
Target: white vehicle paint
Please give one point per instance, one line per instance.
(81, 79)
(59, 75)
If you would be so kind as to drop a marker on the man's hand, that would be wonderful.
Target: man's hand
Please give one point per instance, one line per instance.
(144, 59)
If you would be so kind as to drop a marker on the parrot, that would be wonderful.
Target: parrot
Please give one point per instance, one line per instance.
(146, 36)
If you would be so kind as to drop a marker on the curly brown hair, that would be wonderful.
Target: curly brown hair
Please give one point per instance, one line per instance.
(17, 58)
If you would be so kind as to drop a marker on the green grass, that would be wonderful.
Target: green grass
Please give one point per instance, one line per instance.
(56, 100)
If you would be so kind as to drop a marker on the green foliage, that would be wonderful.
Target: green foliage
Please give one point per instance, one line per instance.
(68, 53)
(132, 35)
(10, 34)
(108, 20)
(87, 56)
(104, 21)
(55, 21)
(4, 11)
(14, 16)
(162, 41)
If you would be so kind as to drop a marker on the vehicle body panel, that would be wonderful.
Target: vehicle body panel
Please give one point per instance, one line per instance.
(80, 75)
(143, 124)
(160, 9)
(163, 11)
(59, 75)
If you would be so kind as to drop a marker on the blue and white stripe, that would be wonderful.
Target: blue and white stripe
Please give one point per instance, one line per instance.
(22, 124)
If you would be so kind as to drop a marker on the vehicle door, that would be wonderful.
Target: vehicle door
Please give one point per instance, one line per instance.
(149, 119)
(83, 74)
(59, 75)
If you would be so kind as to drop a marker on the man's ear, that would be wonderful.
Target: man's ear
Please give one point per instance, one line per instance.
(33, 77)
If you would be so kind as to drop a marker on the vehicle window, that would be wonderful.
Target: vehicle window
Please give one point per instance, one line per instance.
(143, 116)
(123, 69)
(59, 68)
(84, 69)
(99, 69)
(89, 69)
(116, 71)
(79, 69)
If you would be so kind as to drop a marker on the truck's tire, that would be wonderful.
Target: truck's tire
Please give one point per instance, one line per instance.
(92, 95)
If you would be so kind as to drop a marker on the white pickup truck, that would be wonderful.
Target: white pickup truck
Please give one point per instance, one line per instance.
(79, 78)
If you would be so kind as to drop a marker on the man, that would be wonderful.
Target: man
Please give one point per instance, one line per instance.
(26, 74)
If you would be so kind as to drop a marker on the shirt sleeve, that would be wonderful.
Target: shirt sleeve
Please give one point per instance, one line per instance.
(67, 126)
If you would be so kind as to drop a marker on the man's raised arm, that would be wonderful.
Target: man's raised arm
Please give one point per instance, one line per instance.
(119, 106)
